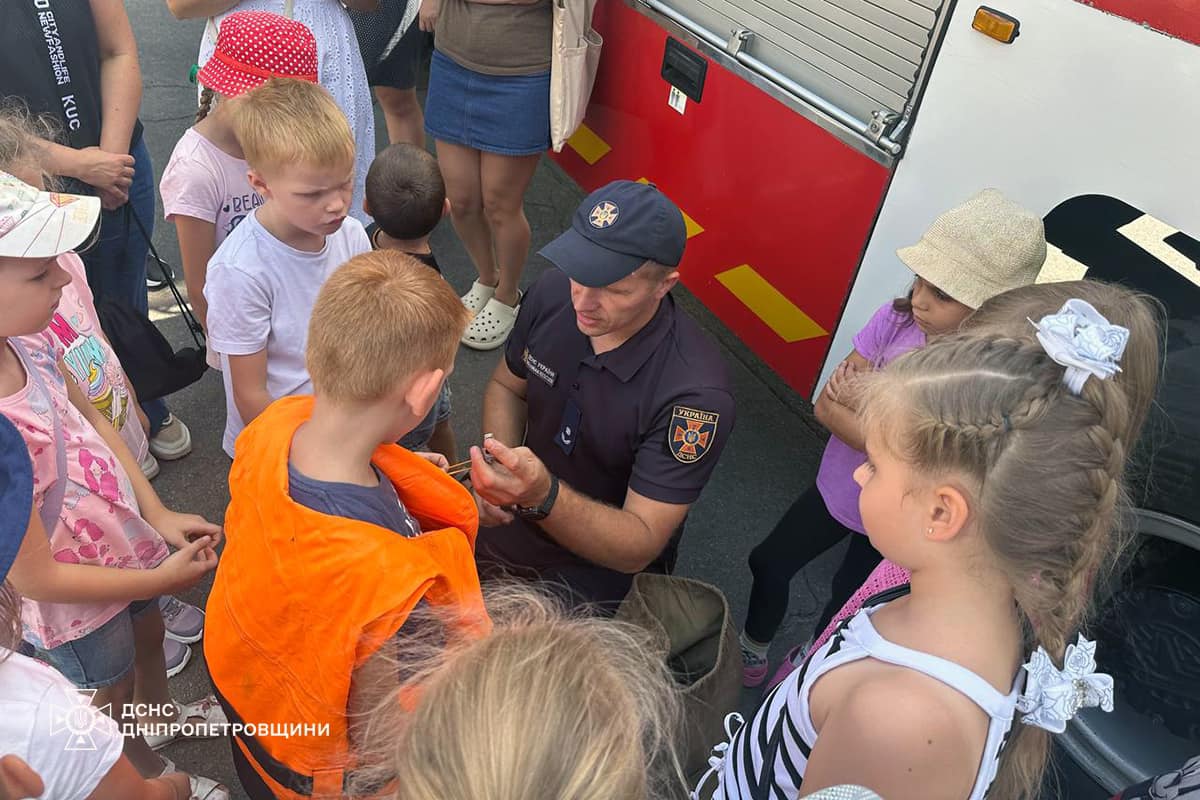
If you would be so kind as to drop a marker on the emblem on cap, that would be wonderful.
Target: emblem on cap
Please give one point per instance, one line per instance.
(691, 433)
(604, 214)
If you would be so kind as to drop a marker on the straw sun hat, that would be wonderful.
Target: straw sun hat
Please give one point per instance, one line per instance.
(986, 246)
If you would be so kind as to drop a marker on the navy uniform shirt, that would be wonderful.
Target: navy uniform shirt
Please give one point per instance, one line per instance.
(651, 415)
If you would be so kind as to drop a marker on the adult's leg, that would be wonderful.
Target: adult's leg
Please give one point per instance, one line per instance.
(504, 180)
(460, 167)
(805, 531)
(861, 559)
(402, 113)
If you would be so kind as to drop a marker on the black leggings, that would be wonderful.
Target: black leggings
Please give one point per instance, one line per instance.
(806, 531)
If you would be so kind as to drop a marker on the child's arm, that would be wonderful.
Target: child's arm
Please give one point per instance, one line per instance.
(36, 575)
(197, 243)
(837, 413)
(174, 527)
(248, 376)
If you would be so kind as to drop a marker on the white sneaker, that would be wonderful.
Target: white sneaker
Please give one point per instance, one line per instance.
(149, 466)
(478, 297)
(172, 441)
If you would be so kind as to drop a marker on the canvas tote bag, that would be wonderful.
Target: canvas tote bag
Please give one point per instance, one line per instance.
(576, 55)
(689, 623)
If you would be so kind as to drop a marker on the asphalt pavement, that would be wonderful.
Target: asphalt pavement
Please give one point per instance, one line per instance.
(771, 456)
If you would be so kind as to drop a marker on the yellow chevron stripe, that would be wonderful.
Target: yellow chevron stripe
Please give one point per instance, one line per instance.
(590, 147)
(768, 304)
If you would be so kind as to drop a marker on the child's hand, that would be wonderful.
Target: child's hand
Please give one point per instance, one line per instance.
(179, 529)
(437, 459)
(187, 565)
(841, 388)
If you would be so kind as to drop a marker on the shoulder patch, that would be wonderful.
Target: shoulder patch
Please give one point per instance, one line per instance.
(691, 433)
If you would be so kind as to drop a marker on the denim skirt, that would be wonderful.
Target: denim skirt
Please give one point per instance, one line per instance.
(504, 114)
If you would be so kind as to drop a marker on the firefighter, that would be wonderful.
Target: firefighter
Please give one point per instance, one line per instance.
(609, 410)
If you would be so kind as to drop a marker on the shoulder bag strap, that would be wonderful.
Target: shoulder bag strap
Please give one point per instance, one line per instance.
(53, 499)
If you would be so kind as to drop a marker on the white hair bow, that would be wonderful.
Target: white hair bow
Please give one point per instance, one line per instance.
(1052, 696)
(1079, 338)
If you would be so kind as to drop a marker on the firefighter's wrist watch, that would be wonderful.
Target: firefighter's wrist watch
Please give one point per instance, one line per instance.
(535, 513)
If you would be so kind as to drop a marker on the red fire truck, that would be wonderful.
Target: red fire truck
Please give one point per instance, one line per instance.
(806, 140)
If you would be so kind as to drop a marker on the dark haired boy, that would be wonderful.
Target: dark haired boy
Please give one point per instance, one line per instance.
(407, 197)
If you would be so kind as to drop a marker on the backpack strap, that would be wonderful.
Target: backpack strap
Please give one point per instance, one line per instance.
(53, 499)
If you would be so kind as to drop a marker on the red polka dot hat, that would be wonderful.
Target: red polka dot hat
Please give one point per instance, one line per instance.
(253, 46)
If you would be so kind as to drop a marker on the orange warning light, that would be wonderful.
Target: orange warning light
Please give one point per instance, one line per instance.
(995, 24)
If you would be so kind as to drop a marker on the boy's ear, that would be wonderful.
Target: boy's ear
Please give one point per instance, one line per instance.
(423, 391)
(949, 512)
(258, 184)
(446, 207)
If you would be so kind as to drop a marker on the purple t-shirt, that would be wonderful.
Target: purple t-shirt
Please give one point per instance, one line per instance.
(886, 337)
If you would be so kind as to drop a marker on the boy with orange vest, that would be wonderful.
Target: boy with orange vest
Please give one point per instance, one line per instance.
(334, 534)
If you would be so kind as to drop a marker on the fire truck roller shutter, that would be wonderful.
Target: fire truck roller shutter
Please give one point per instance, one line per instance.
(862, 57)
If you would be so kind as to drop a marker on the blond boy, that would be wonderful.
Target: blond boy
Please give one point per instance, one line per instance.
(264, 278)
(335, 533)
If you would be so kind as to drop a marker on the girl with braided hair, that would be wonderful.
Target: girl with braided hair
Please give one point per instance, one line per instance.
(994, 475)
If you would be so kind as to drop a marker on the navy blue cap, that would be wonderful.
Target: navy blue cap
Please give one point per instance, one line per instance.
(615, 230)
(16, 493)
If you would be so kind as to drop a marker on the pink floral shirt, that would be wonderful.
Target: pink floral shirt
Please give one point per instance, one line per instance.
(99, 522)
(90, 359)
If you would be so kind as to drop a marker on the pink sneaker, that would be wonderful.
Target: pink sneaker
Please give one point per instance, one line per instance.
(794, 658)
(754, 668)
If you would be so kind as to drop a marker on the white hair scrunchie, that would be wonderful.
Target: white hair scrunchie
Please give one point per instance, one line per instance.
(1052, 696)
(1079, 338)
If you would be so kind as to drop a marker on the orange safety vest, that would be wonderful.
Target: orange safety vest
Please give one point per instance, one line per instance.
(302, 598)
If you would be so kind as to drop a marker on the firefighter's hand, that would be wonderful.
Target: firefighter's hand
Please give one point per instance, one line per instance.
(428, 15)
(516, 476)
(491, 515)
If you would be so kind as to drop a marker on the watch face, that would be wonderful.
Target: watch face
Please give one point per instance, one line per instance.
(531, 514)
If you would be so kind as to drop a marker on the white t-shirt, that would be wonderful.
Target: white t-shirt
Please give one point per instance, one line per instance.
(48, 723)
(203, 181)
(260, 294)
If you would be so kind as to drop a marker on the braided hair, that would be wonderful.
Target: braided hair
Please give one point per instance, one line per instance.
(1043, 470)
(207, 96)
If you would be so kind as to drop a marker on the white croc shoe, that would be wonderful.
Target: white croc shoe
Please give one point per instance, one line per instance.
(491, 326)
(478, 297)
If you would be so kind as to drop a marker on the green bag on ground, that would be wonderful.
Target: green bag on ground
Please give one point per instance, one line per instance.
(690, 624)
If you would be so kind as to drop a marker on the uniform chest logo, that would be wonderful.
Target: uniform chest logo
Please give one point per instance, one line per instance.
(536, 368)
(604, 214)
(691, 433)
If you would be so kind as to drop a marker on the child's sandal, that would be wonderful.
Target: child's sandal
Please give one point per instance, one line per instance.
(205, 717)
(201, 788)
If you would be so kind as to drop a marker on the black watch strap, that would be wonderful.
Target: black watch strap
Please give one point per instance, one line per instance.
(535, 513)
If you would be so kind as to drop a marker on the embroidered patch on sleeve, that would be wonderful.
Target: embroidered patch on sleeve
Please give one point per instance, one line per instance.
(691, 433)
